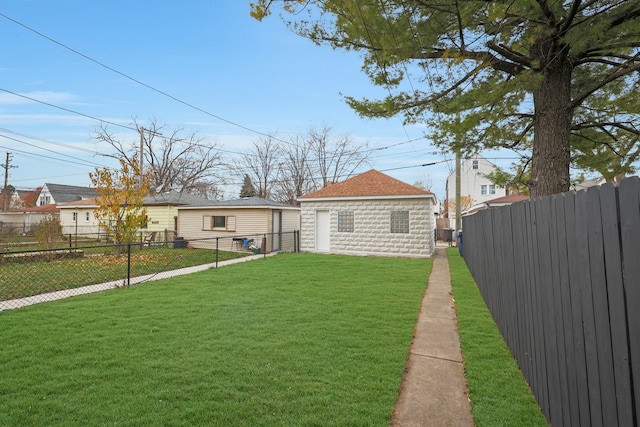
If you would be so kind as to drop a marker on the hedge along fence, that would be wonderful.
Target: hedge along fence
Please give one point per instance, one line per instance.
(561, 277)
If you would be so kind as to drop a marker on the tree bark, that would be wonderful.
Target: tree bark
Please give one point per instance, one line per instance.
(552, 130)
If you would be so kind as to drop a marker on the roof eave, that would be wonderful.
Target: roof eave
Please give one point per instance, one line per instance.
(238, 207)
(343, 198)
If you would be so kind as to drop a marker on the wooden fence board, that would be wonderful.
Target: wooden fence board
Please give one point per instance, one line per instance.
(544, 296)
(566, 354)
(521, 338)
(508, 277)
(537, 307)
(547, 283)
(588, 319)
(612, 253)
(579, 363)
(531, 321)
(598, 284)
(629, 199)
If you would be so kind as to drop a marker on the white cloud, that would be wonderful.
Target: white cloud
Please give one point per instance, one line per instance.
(50, 97)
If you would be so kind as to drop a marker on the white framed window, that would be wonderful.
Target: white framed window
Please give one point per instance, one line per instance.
(87, 216)
(74, 216)
(399, 221)
(492, 189)
(483, 189)
(474, 164)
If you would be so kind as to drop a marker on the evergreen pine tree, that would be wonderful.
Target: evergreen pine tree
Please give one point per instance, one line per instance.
(248, 190)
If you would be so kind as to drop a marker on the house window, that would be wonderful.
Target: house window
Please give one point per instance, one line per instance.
(345, 221)
(219, 222)
(87, 216)
(492, 189)
(400, 222)
(74, 216)
(474, 164)
(483, 190)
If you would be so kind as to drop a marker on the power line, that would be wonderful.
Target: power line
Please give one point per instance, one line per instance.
(148, 86)
(174, 98)
(48, 141)
(66, 109)
(51, 151)
(28, 154)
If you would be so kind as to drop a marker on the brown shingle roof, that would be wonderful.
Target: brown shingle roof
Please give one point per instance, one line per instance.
(511, 198)
(37, 209)
(371, 183)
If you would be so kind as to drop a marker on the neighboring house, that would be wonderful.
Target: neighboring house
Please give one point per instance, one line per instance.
(162, 212)
(77, 218)
(14, 201)
(369, 214)
(250, 217)
(161, 215)
(54, 194)
(500, 201)
(475, 187)
(21, 221)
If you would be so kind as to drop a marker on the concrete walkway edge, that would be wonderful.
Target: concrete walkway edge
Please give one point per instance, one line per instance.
(433, 390)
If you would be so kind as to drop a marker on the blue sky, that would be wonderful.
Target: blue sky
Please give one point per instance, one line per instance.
(210, 54)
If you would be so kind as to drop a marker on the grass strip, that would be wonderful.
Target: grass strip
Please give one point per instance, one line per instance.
(499, 394)
(291, 340)
(99, 265)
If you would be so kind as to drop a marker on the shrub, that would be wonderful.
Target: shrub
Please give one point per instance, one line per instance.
(48, 231)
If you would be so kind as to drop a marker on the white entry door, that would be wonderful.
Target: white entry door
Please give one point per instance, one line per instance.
(322, 231)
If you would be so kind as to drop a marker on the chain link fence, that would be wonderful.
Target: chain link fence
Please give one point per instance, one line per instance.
(77, 265)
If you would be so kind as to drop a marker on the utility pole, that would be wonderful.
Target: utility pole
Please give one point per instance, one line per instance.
(6, 166)
(141, 157)
(458, 191)
(458, 184)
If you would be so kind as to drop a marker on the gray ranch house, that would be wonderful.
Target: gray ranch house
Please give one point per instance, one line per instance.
(369, 214)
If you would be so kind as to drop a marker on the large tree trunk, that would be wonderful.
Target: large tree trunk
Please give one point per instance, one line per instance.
(552, 130)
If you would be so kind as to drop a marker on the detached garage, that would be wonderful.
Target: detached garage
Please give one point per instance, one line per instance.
(231, 221)
(369, 214)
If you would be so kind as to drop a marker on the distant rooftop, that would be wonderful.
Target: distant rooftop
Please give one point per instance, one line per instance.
(69, 193)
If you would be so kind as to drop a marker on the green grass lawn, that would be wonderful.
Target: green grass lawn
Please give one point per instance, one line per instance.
(499, 394)
(98, 265)
(290, 340)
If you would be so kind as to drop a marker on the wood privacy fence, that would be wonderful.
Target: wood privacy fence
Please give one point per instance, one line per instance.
(561, 277)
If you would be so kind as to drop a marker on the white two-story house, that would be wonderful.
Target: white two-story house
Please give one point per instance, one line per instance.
(475, 187)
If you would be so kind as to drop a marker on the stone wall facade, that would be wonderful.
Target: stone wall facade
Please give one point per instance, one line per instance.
(371, 233)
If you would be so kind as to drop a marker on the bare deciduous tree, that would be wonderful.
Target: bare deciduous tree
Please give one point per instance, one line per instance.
(296, 175)
(283, 170)
(335, 158)
(261, 164)
(178, 160)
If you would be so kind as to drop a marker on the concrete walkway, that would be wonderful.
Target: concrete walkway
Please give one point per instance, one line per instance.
(433, 390)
